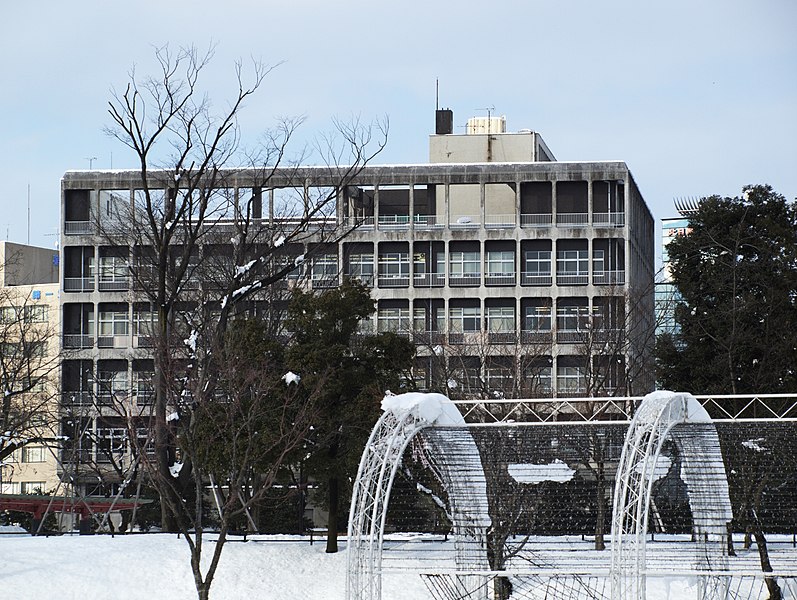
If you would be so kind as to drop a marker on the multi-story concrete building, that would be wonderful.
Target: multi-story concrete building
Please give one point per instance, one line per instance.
(29, 374)
(515, 273)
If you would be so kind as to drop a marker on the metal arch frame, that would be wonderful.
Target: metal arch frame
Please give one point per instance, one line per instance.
(708, 492)
(371, 495)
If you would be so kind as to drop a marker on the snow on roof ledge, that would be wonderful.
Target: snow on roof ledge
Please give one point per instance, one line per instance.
(434, 409)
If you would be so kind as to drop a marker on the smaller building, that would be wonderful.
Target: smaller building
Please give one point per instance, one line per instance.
(29, 342)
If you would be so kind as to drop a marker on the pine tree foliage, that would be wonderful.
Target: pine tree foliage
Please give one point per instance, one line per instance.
(736, 272)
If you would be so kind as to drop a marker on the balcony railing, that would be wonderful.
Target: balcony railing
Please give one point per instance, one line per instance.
(429, 337)
(572, 219)
(609, 219)
(77, 398)
(502, 337)
(394, 221)
(360, 222)
(499, 221)
(118, 284)
(426, 222)
(366, 280)
(429, 280)
(536, 337)
(75, 341)
(79, 227)
(499, 279)
(386, 281)
(536, 220)
(467, 280)
(608, 277)
(466, 222)
(568, 336)
(534, 278)
(326, 282)
(572, 279)
(78, 284)
(113, 341)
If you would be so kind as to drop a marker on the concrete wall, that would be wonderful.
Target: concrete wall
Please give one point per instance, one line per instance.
(26, 265)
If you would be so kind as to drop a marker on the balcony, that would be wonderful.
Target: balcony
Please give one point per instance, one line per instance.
(608, 277)
(536, 337)
(113, 341)
(78, 284)
(426, 222)
(572, 219)
(366, 280)
(326, 282)
(394, 221)
(502, 337)
(76, 341)
(79, 227)
(534, 278)
(117, 284)
(360, 222)
(536, 220)
(466, 280)
(497, 279)
(572, 278)
(392, 281)
(608, 219)
(467, 337)
(77, 398)
(429, 280)
(499, 221)
(570, 336)
(466, 222)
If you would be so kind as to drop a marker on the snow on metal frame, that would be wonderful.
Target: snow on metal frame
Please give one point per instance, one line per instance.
(403, 418)
(681, 417)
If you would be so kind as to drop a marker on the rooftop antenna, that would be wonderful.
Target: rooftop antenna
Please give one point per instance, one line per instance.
(437, 94)
(28, 215)
(91, 160)
(489, 110)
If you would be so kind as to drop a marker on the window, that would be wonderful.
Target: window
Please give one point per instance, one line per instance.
(144, 322)
(465, 319)
(501, 263)
(361, 266)
(537, 318)
(111, 441)
(113, 384)
(570, 380)
(31, 487)
(33, 454)
(325, 267)
(113, 268)
(36, 314)
(501, 319)
(538, 263)
(464, 264)
(8, 314)
(419, 319)
(539, 379)
(393, 319)
(394, 265)
(572, 262)
(572, 318)
(113, 323)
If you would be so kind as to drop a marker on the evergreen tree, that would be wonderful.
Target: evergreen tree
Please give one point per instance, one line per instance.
(736, 271)
(354, 371)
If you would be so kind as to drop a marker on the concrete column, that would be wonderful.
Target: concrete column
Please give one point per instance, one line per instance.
(590, 211)
(411, 208)
(482, 204)
(553, 203)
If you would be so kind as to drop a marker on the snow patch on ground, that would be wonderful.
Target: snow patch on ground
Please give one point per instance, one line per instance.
(556, 471)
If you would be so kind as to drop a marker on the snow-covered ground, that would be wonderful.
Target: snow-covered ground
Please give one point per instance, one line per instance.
(155, 566)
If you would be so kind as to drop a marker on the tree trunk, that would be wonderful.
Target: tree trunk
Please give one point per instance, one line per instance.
(763, 554)
(600, 511)
(332, 520)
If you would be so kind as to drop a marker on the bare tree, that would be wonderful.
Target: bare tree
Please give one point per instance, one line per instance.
(209, 235)
(187, 221)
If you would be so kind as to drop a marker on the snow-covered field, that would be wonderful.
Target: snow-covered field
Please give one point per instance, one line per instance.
(155, 566)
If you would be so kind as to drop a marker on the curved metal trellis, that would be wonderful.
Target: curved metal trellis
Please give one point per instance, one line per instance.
(680, 417)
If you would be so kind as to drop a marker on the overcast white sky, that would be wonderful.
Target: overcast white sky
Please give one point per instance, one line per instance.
(697, 97)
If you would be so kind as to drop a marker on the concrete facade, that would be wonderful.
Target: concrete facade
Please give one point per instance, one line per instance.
(499, 271)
